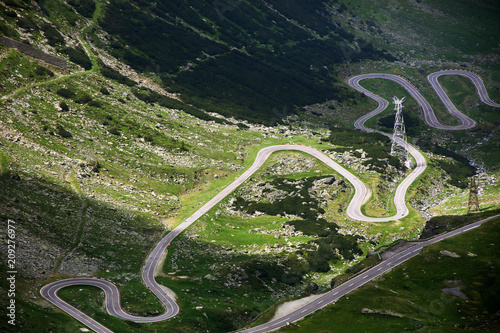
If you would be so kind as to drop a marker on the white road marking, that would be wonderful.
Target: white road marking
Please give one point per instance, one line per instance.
(353, 210)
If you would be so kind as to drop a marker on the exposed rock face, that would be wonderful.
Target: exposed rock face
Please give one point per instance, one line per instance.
(78, 264)
(453, 288)
(35, 257)
(289, 165)
(351, 159)
(285, 231)
(312, 287)
(326, 188)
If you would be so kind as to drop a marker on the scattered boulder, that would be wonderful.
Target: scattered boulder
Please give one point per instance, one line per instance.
(454, 291)
(381, 312)
(311, 287)
(449, 254)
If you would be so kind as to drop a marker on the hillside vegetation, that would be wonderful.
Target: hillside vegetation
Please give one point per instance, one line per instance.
(452, 286)
(162, 104)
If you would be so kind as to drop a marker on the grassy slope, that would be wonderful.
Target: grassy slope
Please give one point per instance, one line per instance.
(413, 290)
(424, 30)
(121, 168)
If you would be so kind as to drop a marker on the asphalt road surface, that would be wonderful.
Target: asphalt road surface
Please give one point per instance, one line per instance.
(429, 116)
(361, 194)
(359, 280)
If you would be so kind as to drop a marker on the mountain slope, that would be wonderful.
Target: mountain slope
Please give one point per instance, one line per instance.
(100, 158)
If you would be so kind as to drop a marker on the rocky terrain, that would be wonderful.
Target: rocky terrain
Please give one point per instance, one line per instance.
(105, 150)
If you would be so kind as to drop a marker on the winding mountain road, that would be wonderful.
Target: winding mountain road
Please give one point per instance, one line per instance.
(429, 116)
(112, 293)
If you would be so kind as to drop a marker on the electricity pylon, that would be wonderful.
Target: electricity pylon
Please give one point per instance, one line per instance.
(473, 200)
(399, 143)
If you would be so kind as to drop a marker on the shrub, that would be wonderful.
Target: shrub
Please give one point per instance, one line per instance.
(78, 56)
(459, 173)
(114, 75)
(83, 7)
(66, 93)
(317, 263)
(6, 30)
(96, 104)
(26, 23)
(62, 132)
(459, 170)
(84, 98)
(42, 71)
(64, 106)
(53, 36)
(149, 96)
(10, 13)
(114, 131)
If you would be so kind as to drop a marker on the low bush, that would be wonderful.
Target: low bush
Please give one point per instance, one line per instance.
(78, 56)
(459, 170)
(114, 131)
(83, 98)
(83, 7)
(64, 106)
(322, 251)
(151, 97)
(42, 71)
(115, 75)
(63, 132)
(376, 146)
(53, 36)
(66, 93)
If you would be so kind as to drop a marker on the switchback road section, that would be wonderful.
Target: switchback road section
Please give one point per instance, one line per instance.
(112, 293)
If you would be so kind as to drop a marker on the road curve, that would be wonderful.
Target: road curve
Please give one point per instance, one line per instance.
(476, 80)
(359, 280)
(429, 116)
(112, 294)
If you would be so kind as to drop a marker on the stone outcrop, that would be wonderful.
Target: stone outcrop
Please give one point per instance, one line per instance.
(35, 257)
(285, 231)
(381, 312)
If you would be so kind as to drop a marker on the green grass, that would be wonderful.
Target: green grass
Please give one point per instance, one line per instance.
(234, 231)
(122, 225)
(413, 290)
(26, 72)
(33, 316)
(4, 164)
(428, 30)
(80, 295)
(458, 204)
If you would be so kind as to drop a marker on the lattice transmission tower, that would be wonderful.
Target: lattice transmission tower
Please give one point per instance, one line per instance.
(399, 143)
(473, 200)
